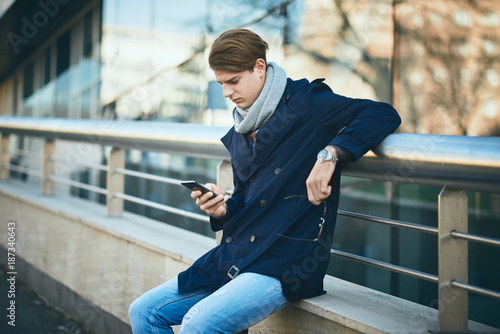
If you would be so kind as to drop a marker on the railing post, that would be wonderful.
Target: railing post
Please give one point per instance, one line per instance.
(453, 261)
(115, 181)
(4, 157)
(225, 183)
(48, 166)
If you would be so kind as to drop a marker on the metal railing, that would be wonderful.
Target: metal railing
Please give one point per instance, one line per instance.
(454, 163)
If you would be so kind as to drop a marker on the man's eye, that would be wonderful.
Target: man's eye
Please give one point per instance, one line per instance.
(233, 82)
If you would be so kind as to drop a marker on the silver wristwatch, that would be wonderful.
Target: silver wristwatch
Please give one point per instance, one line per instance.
(325, 155)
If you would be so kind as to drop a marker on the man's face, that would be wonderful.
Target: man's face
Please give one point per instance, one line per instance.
(243, 88)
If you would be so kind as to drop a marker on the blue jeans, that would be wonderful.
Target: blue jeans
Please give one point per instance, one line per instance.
(236, 306)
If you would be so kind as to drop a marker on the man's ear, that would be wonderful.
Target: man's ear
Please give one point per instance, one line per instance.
(260, 66)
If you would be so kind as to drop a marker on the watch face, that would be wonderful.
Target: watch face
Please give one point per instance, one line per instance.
(322, 154)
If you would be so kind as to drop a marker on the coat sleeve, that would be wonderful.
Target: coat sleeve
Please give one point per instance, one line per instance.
(234, 204)
(357, 125)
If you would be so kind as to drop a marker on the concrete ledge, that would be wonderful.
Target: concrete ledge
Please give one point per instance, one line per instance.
(105, 263)
(73, 305)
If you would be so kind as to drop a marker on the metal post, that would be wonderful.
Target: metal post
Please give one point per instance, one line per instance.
(4, 157)
(115, 181)
(453, 261)
(225, 183)
(48, 166)
(394, 235)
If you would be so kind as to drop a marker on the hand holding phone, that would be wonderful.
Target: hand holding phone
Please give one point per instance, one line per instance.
(194, 185)
(215, 206)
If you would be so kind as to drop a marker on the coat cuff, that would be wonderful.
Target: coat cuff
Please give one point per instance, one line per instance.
(343, 154)
(355, 146)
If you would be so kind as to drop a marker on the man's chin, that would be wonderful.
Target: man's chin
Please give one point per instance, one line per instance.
(242, 105)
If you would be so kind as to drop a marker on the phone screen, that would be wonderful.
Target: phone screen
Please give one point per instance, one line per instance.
(194, 185)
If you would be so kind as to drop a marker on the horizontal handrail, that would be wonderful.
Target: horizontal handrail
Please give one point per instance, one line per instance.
(142, 175)
(176, 138)
(26, 153)
(390, 222)
(385, 265)
(163, 207)
(476, 238)
(475, 289)
(21, 169)
(77, 184)
(413, 273)
(469, 163)
(80, 163)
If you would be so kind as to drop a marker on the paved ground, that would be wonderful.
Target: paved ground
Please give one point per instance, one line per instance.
(32, 314)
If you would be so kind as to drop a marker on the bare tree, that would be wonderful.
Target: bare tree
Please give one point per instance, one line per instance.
(448, 63)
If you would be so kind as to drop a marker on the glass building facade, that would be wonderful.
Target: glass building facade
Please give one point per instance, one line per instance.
(436, 61)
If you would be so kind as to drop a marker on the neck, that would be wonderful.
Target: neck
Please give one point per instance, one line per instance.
(252, 118)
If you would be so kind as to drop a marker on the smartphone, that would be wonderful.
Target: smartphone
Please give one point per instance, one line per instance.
(193, 185)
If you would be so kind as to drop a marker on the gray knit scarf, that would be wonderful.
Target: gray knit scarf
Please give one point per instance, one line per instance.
(251, 119)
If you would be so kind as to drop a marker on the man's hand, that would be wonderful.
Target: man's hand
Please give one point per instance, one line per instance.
(318, 187)
(215, 207)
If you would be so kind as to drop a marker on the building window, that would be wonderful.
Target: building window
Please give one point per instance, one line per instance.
(63, 44)
(87, 35)
(28, 80)
(46, 68)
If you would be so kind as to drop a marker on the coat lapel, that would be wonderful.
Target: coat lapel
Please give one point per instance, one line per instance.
(241, 157)
(271, 134)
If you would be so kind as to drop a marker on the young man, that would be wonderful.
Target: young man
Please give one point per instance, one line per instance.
(288, 140)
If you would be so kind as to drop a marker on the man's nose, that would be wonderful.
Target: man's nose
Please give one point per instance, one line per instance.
(227, 91)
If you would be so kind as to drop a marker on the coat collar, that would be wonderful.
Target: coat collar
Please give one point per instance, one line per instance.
(268, 136)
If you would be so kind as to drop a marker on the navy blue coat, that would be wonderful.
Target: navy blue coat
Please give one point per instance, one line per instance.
(308, 118)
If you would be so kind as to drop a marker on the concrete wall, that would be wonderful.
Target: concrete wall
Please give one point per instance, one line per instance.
(93, 267)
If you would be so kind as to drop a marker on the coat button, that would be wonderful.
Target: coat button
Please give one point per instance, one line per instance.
(252, 179)
(263, 203)
(252, 238)
(277, 170)
(228, 240)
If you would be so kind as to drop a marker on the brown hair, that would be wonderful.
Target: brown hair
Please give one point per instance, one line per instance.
(237, 50)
